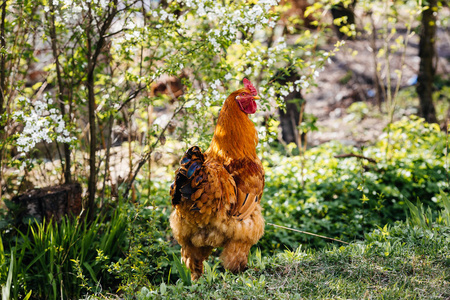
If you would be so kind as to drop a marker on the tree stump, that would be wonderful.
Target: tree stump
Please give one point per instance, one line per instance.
(52, 202)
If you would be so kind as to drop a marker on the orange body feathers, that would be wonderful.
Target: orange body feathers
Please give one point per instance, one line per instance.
(216, 194)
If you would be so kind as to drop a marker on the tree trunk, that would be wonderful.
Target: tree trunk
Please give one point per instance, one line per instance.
(50, 203)
(92, 57)
(289, 119)
(2, 89)
(2, 59)
(92, 183)
(427, 54)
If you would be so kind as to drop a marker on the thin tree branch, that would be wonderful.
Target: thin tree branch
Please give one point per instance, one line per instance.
(357, 156)
(132, 96)
(65, 166)
(115, 33)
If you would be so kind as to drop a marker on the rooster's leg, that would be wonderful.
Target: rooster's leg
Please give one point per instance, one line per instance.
(193, 257)
(235, 255)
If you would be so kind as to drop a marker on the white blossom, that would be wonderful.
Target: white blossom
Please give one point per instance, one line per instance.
(39, 122)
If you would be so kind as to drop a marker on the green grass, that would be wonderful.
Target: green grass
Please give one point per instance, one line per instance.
(395, 262)
(406, 260)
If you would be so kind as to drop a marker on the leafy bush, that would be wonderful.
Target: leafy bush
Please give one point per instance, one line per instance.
(145, 262)
(346, 197)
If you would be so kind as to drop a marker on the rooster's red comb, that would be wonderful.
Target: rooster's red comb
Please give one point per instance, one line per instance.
(248, 85)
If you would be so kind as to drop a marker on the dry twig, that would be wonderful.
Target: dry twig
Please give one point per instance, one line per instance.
(357, 156)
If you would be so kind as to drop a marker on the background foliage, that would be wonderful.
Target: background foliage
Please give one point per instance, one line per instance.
(111, 93)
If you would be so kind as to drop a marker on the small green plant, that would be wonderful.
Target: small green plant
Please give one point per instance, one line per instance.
(289, 256)
(183, 271)
(145, 260)
(145, 293)
(444, 215)
(7, 287)
(257, 260)
(425, 218)
(420, 216)
(211, 273)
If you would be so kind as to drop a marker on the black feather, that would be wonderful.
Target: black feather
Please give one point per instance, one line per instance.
(180, 180)
(190, 163)
(194, 167)
(246, 196)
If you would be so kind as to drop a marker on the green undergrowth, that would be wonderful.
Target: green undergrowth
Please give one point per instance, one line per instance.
(406, 260)
(346, 197)
(114, 253)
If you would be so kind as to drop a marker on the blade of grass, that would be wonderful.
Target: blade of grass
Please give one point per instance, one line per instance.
(90, 270)
(6, 289)
(185, 273)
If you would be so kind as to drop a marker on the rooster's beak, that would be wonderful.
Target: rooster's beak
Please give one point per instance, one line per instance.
(256, 98)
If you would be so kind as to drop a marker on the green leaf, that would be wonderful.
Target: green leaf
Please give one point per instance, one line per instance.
(184, 272)
(91, 271)
(28, 295)
(6, 289)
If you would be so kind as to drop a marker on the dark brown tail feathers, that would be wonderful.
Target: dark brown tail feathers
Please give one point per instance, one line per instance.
(186, 180)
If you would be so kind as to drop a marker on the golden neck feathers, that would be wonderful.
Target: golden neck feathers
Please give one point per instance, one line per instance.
(235, 136)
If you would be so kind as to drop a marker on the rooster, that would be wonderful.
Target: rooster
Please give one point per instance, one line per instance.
(216, 194)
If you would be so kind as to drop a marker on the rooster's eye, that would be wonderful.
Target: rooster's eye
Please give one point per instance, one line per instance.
(243, 94)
